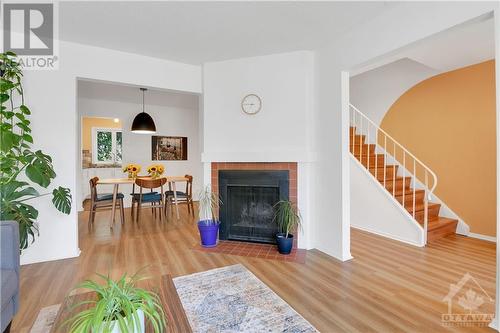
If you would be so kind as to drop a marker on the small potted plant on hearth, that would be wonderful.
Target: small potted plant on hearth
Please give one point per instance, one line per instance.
(208, 225)
(120, 307)
(287, 216)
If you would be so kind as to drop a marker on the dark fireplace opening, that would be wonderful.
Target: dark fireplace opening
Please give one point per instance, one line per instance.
(248, 203)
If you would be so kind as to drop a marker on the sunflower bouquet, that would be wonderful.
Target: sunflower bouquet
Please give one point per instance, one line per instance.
(156, 170)
(132, 170)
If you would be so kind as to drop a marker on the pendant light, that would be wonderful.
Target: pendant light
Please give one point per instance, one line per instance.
(143, 123)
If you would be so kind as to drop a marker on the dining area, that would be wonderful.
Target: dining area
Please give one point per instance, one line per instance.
(161, 194)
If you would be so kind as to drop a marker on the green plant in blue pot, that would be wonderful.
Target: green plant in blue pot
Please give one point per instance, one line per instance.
(22, 168)
(288, 218)
(208, 224)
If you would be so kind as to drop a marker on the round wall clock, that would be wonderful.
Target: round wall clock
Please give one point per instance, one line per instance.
(251, 104)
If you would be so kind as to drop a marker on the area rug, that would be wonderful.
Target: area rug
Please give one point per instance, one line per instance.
(232, 299)
(45, 319)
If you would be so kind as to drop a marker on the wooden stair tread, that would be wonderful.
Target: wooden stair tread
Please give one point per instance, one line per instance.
(397, 179)
(408, 191)
(438, 226)
(381, 166)
(441, 222)
(420, 207)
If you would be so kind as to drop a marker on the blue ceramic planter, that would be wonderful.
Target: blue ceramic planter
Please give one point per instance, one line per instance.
(209, 230)
(284, 244)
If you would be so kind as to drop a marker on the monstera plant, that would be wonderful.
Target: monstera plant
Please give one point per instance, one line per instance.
(21, 167)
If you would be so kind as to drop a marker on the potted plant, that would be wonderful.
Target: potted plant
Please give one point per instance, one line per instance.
(155, 170)
(208, 225)
(21, 166)
(120, 307)
(288, 218)
(132, 170)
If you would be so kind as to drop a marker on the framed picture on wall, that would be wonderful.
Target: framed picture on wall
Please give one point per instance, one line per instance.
(169, 148)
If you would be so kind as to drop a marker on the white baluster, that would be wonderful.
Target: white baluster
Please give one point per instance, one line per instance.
(404, 174)
(360, 146)
(394, 171)
(368, 148)
(375, 151)
(414, 183)
(426, 208)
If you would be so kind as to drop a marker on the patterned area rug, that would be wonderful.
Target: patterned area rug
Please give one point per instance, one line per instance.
(45, 319)
(232, 299)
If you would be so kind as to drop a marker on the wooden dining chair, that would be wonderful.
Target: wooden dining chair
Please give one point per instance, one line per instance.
(103, 201)
(154, 199)
(135, 198)
(182, 197)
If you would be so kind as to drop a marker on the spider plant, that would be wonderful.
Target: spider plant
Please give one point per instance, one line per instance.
(287, 216)
(209, 203)
(118, 305)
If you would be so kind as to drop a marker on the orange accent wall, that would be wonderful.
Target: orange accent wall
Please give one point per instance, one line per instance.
(448, 122)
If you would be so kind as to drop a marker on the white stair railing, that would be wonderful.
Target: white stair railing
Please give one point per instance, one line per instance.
(412, 167)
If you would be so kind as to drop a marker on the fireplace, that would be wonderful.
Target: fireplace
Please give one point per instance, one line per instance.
(248, 198)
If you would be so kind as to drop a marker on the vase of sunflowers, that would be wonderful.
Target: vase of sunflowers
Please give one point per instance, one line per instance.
(132, 170)
(156, 170)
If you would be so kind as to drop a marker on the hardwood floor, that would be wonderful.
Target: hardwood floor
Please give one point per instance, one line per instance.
(387, 287)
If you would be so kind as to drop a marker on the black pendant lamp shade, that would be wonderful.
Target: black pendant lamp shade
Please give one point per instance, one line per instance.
(143, 123)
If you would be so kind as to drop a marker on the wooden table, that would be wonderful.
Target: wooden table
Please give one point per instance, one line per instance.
(117, 181)
(177, 321)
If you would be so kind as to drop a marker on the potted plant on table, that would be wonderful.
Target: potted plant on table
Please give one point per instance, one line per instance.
(288, 218)
(208, 225)
(120, 307)
(21, 167)
(156, 170)
(132, 170)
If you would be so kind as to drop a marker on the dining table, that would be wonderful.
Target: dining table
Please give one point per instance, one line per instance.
(116, 182)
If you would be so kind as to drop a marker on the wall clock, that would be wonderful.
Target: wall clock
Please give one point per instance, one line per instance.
(251, 104)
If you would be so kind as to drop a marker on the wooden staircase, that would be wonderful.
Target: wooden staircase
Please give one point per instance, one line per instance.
(438, 226)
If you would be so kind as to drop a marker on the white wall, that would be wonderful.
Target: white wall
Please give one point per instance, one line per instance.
(373, 92)
(283, 81)
(278, 133)
(51, 95)
(379, 214)
(175, 114)
(381, 36)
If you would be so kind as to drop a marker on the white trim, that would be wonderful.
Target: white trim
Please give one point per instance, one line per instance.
(494, 324)
(445, 211)
(75, 254)
(389, 196)
(482, 237)
(113, 131)
(389, 236)
(345, 168)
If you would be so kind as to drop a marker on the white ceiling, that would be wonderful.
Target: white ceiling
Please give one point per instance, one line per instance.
(197, 32)
(460, 46)
(133, 95)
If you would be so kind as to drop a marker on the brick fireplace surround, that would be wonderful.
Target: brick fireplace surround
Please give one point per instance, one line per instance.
(290, 166)
(247, 249)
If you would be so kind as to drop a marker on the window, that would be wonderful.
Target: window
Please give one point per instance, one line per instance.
(106, 145)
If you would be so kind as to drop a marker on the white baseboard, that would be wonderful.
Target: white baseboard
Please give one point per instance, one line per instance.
(390, 236)
(483, 237)
(494, 324)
